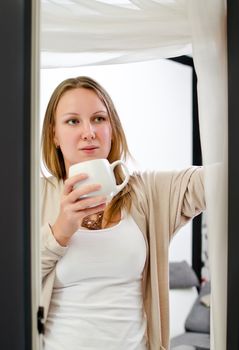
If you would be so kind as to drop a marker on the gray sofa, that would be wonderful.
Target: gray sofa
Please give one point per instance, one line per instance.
(197, 324)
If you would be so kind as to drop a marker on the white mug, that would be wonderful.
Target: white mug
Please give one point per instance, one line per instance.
(100, 171)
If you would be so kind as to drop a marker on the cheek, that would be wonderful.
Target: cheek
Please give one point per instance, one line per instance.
(107, 135)
(64, 136)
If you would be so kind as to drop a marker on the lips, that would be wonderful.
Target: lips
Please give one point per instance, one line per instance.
(89, 148)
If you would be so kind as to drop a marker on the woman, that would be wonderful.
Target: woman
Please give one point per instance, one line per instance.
(105, 266)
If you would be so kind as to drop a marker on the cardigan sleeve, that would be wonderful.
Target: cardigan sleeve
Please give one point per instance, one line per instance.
(170, 198)
(187, 196)
(51, 250)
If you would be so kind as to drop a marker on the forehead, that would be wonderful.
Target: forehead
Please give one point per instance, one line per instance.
(80, 99)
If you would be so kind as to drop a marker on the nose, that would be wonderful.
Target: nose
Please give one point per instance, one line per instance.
(87, 132)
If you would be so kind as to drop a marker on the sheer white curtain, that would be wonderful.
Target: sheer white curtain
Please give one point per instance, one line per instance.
(83, 32)
(209, 53)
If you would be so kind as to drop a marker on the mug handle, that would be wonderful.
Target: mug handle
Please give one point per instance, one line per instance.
(127, 176)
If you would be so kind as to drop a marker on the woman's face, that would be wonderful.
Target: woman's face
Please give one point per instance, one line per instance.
(82, 127)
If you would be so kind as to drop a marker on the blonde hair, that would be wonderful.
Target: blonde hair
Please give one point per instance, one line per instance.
(53, 157)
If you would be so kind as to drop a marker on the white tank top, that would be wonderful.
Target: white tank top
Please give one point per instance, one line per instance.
(97, 296)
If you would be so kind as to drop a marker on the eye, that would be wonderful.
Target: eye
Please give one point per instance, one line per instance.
(72, 121)
(99, 119)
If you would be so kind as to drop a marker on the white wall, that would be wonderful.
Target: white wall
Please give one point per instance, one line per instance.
(153, 100)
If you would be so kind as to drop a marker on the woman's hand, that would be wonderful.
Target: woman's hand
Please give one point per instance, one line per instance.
(73, 209)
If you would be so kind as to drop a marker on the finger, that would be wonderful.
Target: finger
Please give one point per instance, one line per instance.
(89, 203)
(76, 194)
(76, 213)
(69, 183)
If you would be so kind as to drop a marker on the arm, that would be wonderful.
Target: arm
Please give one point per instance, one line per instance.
(187, 196)
(51, 250)
(170, 198)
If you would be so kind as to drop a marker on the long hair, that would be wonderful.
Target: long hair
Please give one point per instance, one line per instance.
(53, 158)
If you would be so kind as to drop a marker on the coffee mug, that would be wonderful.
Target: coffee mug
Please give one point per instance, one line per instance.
(100, 171)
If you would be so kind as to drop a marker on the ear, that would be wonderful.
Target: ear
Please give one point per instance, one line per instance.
(55, 139)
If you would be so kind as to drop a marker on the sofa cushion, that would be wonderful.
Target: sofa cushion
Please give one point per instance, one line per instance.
(198, 340)
(198, 319)
(181, 275)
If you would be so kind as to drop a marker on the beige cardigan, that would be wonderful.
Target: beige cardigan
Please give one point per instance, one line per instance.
(164, 202)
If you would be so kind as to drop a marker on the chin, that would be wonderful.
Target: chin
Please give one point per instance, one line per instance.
(90, 157)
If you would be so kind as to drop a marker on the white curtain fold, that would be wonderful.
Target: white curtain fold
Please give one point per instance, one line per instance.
(91, 32)
(84, 32)
(208, 23)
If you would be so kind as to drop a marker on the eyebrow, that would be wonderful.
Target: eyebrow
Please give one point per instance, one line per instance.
(69, 113)
(105, 112)
(76, 114)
